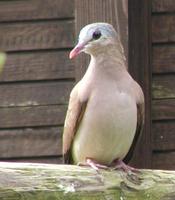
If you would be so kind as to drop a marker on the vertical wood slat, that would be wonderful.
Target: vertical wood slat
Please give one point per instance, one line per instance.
(90, 11)
(139, 66)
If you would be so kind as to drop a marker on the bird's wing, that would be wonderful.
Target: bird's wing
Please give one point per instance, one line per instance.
(73, 117)
(139, 127)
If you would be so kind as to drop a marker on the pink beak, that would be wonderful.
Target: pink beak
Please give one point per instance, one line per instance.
(76, 50)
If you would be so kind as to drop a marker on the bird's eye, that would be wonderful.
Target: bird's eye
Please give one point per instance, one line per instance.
(96, 35)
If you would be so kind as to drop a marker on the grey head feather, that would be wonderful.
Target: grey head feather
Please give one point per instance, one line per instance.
(106, 30)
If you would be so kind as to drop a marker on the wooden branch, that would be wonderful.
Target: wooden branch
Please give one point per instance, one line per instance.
(28, 181)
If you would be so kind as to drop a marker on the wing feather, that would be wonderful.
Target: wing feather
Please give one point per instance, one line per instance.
(140, 123)
(74, 115)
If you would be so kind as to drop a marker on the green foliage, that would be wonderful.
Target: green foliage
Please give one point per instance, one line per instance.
(2, 61)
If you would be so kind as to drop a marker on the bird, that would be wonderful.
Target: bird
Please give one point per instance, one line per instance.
(105, 114)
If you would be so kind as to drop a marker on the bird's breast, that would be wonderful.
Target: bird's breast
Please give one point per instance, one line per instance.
(107, 128)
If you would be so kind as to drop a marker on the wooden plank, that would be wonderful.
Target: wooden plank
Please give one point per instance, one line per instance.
(163, 28)
(42, 159)
(163, 6)
(35, 9)
(114, 12)
(28, 94)
(32, 116)
(140, 69)
(38, 66)
(40, 35)
(163, 109)
(164, 160)
(163, 58)
(163, 135)
(163, 87)
(30, 142)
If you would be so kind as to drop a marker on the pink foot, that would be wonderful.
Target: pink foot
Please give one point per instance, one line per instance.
(119, 164)
(94, 164)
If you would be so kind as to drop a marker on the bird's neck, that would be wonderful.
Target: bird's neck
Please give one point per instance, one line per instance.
(109, 61)
(113, 55)
(109, 65)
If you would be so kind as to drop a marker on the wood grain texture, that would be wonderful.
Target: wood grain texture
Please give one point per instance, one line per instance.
(163, 28)
(29, 181)
(90, 11)
(164, 160)
(163, 58)
(32, 116)
(140, 69)
(30, 142)
(36, 35)
(163, 6)
(163, 135)
(163, 87)
(28, 94)
(39, 159)
(38, 65)
(35, 9)
(163, 109)
(163, 62)
(43, 182)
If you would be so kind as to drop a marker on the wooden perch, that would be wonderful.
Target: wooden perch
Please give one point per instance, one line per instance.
(28, 181)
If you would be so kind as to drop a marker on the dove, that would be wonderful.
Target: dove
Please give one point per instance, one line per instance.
(105, 113)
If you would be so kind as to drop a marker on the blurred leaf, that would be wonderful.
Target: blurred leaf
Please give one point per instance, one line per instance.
(2, 61)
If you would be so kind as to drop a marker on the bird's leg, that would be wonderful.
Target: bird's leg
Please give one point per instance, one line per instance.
(119, 164)
(93, 163)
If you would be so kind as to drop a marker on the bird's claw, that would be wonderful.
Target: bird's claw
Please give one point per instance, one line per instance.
(119, 164)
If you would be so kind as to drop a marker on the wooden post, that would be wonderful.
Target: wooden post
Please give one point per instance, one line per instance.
(19, 181)
(139, 13)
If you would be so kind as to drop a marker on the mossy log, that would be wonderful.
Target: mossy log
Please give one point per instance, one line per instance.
(26, 181)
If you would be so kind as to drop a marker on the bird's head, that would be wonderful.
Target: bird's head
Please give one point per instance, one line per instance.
(94, 38)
